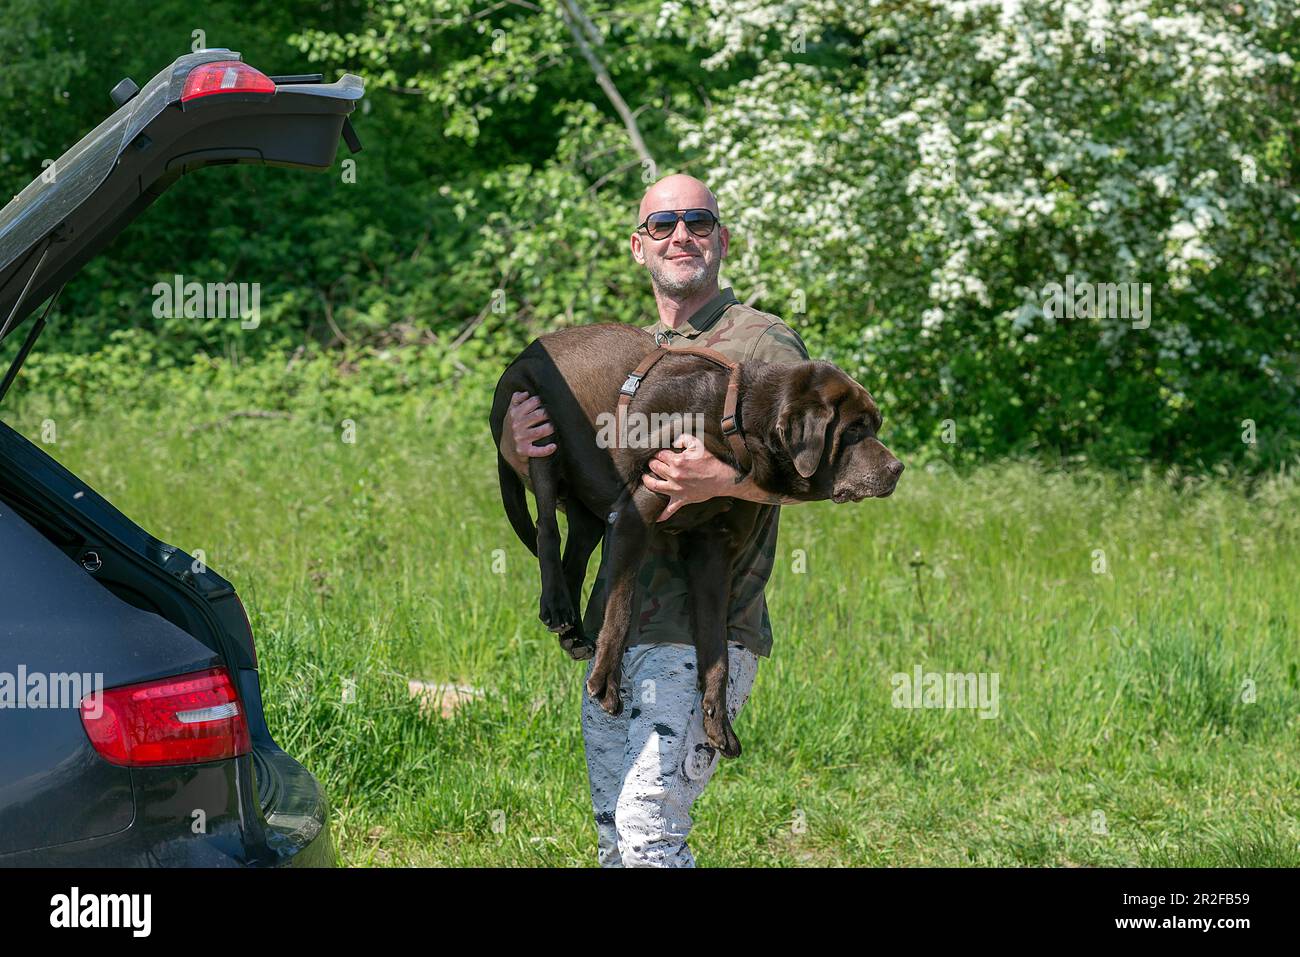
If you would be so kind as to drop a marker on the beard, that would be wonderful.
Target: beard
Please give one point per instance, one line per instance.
(680, 285)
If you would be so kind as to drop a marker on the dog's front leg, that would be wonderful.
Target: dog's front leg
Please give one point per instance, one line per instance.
(708, 568)
(633, 529)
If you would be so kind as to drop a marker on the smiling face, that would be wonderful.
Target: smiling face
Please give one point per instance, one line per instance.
(681, 265)
(828, 425)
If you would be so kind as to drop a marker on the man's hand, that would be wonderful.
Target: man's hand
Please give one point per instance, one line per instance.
(691, 475)
(696, 475)
(525, 421)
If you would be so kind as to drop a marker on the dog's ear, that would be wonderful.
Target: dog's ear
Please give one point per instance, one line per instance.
(801, 428)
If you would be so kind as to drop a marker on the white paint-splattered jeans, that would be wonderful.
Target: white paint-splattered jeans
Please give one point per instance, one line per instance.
(648, 765)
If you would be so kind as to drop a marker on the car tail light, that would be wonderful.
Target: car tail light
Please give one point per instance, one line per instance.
(225, 76)
(186, 719)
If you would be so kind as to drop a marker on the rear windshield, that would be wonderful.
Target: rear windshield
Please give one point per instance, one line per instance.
(76, 174)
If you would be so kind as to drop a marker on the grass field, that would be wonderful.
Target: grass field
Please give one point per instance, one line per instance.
(1149, 698)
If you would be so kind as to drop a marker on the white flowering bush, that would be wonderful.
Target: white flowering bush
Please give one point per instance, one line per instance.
(917, 187)
(920, 175)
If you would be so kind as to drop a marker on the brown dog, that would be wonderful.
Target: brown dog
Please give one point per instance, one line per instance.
(806, 431)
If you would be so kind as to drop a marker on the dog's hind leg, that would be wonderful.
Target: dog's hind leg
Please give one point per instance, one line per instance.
(585, 532)
(631, 534)
(708, 567)
(558, 612)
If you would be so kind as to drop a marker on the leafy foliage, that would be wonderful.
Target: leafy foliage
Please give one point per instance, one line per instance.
(902, 181)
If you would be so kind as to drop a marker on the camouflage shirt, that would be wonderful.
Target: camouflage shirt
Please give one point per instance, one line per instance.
(661, 606)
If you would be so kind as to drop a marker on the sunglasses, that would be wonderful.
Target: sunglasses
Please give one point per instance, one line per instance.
(663, 224)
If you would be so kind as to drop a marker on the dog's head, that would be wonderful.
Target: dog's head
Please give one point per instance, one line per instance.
(825, 426)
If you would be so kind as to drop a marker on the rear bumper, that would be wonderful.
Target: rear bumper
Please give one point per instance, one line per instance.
(296, 812)
(190, 817)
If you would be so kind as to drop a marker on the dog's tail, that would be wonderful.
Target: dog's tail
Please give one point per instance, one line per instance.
(516, 503)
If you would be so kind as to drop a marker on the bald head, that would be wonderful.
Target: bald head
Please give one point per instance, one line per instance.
(683, 265)
(677, 191)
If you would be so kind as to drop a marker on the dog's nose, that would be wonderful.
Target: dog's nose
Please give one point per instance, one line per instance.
(895, 468)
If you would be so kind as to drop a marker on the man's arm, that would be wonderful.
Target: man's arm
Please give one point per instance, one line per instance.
(750, 492)
(693, 475)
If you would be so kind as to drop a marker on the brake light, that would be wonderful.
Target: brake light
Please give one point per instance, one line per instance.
(187, 719)
(225, 76)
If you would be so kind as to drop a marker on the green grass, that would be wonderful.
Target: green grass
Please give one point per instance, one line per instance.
(1122, 736)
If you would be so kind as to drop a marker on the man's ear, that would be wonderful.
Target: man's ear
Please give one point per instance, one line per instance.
(802, 430)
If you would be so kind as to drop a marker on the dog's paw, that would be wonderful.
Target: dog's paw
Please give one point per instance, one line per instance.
(557, 611)
(604, 688)
(576, 644)
(717, 731)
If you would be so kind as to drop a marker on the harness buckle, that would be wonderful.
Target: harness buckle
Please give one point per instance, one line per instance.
(729, 425)
(629, 387)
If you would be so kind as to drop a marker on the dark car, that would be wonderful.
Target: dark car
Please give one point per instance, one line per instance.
(131, 723)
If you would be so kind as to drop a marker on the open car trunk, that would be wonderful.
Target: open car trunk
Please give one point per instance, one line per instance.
(207, 108)
(68, 213)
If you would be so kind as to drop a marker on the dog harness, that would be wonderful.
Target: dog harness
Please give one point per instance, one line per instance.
(730, 410)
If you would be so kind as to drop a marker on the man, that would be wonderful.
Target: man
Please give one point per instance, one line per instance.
(648, 765)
